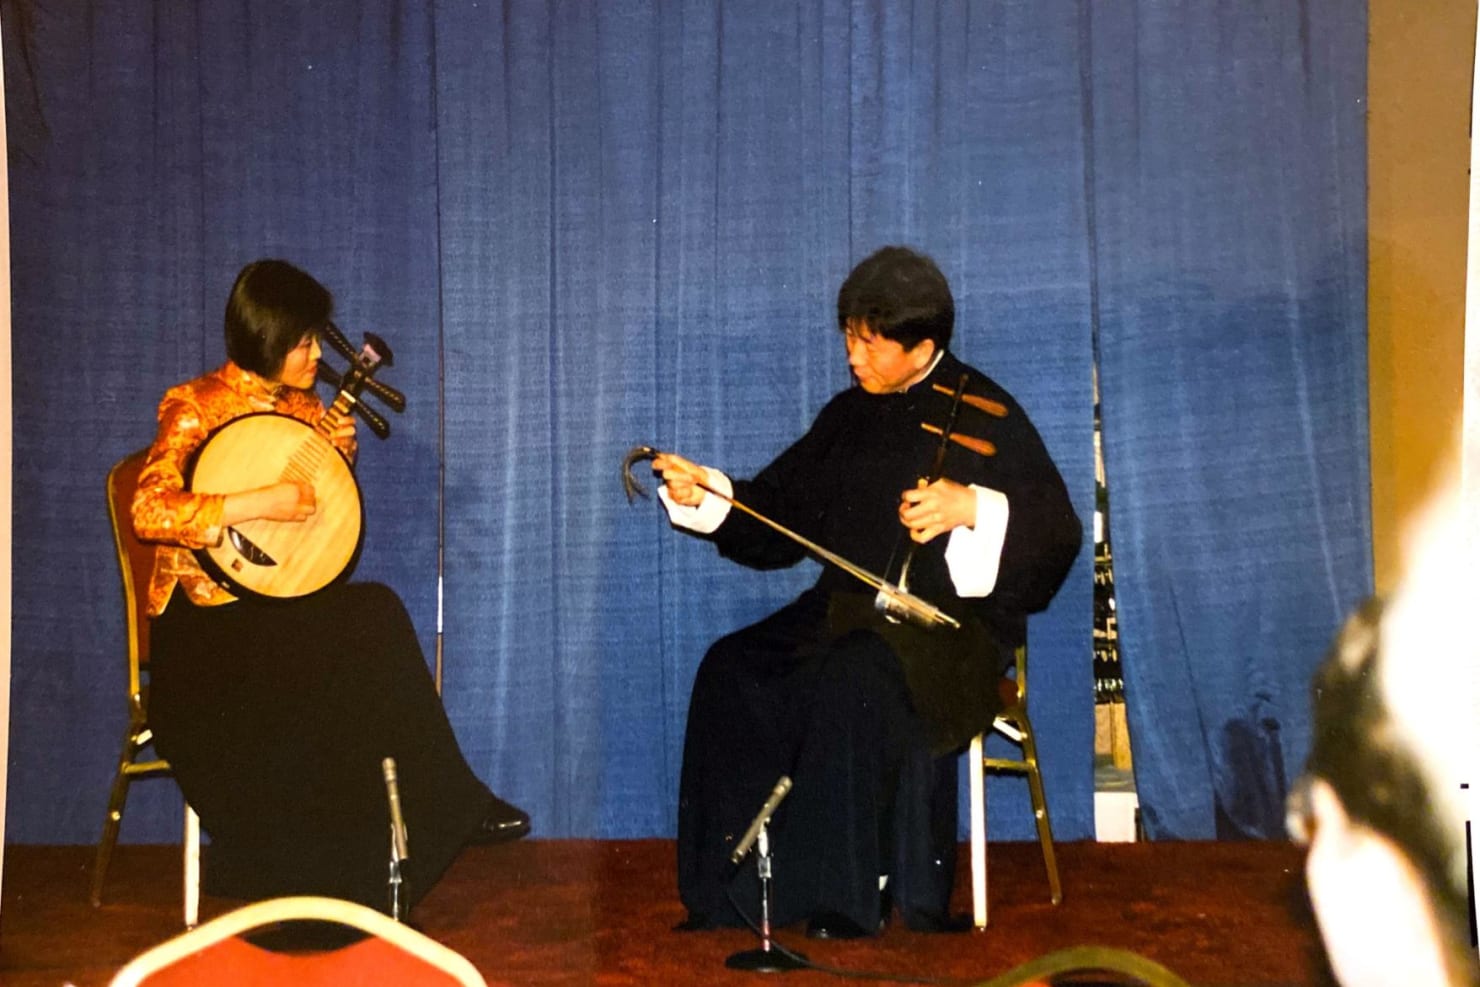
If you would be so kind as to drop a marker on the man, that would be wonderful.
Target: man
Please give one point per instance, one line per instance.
(863, 714)
(1381, 805)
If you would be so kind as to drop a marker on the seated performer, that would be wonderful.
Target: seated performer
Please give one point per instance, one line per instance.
(865, 715)
(276, 714)
(1394, 736)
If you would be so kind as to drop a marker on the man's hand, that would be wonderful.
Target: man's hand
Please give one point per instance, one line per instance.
(681, 477)
(929, 511)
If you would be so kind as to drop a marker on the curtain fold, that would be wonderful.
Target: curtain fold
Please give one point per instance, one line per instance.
(1230, 217)
(585, 226)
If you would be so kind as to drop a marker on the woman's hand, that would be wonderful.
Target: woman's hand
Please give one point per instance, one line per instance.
(929, 511)
(681, 477)
(286, 501)
(343, 433)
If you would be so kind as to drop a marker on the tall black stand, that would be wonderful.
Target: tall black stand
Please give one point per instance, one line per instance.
(766, 959)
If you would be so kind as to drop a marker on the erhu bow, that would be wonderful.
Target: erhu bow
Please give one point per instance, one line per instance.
(901, 603)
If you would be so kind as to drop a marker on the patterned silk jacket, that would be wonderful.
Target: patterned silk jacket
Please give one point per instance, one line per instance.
(164, 511)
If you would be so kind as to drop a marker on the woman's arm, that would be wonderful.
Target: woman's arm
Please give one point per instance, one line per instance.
(164, 511)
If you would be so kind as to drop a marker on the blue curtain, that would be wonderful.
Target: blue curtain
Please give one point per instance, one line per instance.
(1230, 262)
(583, 226)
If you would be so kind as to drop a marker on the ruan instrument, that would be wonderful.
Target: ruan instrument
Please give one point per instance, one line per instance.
(289, 559)
(898, 601)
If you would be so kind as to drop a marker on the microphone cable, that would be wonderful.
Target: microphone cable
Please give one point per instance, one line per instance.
(838, 971)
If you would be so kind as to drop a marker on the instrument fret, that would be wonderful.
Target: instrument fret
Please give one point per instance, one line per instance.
(303, 464)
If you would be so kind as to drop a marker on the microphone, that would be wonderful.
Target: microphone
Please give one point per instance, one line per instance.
(748, 840)
(398, 824)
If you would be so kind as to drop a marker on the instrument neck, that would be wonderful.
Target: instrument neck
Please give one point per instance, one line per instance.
(339, 409)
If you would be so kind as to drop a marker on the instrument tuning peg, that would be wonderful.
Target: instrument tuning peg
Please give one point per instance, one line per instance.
(393, 398)
(381, 347)
(337, 340)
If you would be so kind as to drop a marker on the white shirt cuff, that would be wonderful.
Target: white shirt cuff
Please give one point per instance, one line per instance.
(973, 555)
(710, 512)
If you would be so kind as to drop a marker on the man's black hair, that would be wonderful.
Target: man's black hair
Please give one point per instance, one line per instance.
(900, 295)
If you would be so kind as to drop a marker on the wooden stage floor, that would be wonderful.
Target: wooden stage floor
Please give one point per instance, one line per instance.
(576, 912)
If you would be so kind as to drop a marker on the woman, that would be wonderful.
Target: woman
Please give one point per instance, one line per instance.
(275, 714)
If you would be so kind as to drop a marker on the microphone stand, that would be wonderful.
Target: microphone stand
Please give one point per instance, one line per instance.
(399, 852)
(394, 884)
(765, 959)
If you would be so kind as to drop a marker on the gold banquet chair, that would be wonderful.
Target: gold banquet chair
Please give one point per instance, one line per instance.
(1012, 722)
(135, 562)
(1093, 966)
(216, 954)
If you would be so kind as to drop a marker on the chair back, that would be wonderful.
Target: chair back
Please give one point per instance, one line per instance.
(215, 953)
(135, 561)
(1012, 689)
(1020, 673)
(1102, 966)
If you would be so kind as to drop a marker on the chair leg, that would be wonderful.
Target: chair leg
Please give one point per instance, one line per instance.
(113, 820)
(978, 834)
(191, 866)
(1040, 813)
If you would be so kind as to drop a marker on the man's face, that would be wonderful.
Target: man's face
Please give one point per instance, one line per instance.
(1369, 901)
(883, 366)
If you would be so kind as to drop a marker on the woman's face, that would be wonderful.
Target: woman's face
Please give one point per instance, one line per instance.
(301, 365)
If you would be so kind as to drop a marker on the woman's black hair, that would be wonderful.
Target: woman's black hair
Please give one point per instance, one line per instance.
(272, 306)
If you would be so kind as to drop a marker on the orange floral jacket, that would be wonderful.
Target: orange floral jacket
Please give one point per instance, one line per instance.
(177, 519)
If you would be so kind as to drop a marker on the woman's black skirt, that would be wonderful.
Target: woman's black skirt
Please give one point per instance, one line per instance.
(276, 716)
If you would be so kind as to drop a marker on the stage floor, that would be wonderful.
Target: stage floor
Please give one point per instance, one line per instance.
(576, 912)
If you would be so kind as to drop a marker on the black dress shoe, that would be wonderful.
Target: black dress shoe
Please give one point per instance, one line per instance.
(502, 823)
(938, 922)
(832, 925)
